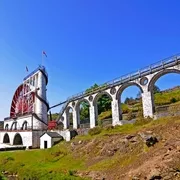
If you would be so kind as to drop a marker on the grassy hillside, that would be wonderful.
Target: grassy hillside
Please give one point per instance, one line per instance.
(110, 154)
(165, 98)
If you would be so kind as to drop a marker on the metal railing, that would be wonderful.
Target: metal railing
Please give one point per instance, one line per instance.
(165, 63)
(33, 72)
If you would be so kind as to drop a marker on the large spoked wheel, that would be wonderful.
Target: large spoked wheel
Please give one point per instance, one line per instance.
(23, 101)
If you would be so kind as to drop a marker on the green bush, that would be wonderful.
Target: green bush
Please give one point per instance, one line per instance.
(71, 172)
(95, 130)
(173, 100)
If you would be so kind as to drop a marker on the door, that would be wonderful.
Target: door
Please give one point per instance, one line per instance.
(45, 144)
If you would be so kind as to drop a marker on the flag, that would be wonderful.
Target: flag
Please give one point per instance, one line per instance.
(44, 53)
(27, 69)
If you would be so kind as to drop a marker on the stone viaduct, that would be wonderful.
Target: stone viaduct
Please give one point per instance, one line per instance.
(144, 79)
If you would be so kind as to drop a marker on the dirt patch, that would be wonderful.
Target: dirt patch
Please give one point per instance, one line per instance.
(128, 157)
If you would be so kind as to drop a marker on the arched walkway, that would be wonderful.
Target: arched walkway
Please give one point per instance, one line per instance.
(127, 109)
(160, 74)
(82, 110)
(6, 138)
(152, 83)
(123, 87)
(103, 102)
(17, 140)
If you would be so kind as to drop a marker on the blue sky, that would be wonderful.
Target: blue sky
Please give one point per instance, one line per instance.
(87, 42)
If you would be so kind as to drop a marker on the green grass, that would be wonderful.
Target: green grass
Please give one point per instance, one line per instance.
(41, 164)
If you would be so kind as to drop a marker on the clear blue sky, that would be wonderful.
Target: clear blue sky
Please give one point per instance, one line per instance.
(87, 42)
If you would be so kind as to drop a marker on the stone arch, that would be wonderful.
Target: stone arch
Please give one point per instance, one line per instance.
(119, 94)
(7, 127)
(82, 100)
(98, 95)
(14, 126)
(97, 108)
(123, 87)
(86, 121)
(160, 74)
(153, 81)
(24, 125)
(17, 139)
(6, 138)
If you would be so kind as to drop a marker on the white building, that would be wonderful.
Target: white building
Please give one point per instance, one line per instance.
(28, 113)
(48, 139)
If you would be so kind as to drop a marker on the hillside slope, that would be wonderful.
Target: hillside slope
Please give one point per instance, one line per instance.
(115, 153)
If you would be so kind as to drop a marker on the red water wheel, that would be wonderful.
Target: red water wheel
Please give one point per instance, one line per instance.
(23, 101)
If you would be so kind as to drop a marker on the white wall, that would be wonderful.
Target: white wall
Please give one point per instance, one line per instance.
(31, 121)
(25, 135)
(65, 134)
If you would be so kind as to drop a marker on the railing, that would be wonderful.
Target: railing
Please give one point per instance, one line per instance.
(165, 63)
(168, 62)
(41, 68)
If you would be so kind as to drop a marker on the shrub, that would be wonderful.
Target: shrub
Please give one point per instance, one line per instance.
(94, 131)
(173, 100)
(71, 172)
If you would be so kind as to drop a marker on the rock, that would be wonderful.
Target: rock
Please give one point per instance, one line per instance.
(167, 178)
(80, 142)
(155, 177)
(135, 178)
(72, 144)
(149, 132)
(110, 153)
(150, 141)
(134, 140)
